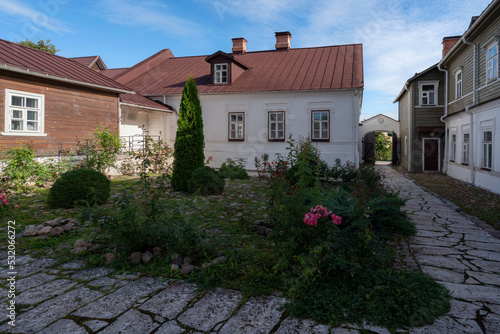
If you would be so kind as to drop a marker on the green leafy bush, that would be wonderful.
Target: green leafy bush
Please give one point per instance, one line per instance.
(334, 253)
(233, 170)
(101, 152)
(79, 186)
(156, 152)
(142, 222)
(23, 172)
(205, 180)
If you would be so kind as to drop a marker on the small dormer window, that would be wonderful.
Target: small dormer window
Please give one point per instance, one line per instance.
(220, 73)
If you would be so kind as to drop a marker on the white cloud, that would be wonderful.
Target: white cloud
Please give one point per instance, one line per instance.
(34, 19)
(152, 15)
(265, 12)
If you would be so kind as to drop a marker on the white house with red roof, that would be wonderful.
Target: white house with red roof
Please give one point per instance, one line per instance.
(253, 101)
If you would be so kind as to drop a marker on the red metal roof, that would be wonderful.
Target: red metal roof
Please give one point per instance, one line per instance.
(114, 72)
(87, 61)
(17, 56)
(141, 101)
(320, 68)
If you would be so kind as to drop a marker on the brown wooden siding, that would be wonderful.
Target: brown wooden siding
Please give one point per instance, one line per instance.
(464, 59)
(71, 113)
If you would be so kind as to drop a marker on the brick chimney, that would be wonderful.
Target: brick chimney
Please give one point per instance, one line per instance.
(283, 40)
(448, 43)
(239, 45)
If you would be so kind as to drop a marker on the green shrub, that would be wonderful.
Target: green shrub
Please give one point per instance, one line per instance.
(189, 139)
(342, 269)
(79, 186)
(142, 222)
(101, 152)
(205, 180)
(233, 170)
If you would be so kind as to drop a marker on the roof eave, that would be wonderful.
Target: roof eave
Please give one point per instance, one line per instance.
(144, 107)
(26, 71)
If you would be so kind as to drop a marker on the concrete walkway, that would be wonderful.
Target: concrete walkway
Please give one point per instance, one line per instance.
(64, 299)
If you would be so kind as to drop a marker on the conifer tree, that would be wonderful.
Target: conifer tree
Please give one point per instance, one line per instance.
(189, 139)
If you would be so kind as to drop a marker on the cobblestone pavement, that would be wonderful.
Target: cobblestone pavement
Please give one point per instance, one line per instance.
(66, 299)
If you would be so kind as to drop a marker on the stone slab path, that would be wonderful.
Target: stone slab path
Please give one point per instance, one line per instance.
(67, 299)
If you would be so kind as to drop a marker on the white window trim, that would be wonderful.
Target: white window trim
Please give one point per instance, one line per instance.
(453, 147)
(230, 123)
(488, 47)
(329, 113)
(269, 131)
(436, 93)
(8, 117)
(216, 71)
(465, 149)
(458, 72)
(483, 157)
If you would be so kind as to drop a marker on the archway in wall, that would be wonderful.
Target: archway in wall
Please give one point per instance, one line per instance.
(380, 146)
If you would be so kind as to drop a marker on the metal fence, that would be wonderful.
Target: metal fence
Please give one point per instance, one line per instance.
(136, 142)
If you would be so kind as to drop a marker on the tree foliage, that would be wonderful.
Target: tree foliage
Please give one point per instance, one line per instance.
(189, 139)
(383, 147)
(40, 45)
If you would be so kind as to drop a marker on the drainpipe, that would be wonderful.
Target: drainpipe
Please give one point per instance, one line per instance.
(445, 164)
(410, 141)
(467, 111)
(355, 127)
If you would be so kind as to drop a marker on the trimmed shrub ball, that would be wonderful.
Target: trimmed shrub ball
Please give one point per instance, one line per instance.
(206, 181)
(79, 186)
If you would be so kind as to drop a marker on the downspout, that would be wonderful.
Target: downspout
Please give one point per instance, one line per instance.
(410, 141)
(467, 111)
(445, 164)
(355, 128)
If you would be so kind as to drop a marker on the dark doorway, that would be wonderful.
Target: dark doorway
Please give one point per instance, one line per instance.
(368, 153)
(431, 154)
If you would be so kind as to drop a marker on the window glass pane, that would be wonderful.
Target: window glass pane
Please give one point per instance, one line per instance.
(272, 117)
(281, 134)
(240, 117)
(324, 116)
(427, 87)
(316, 125)
(316, 134)
(32, 115)
(17, 114)
(493, 51)
(488, 136)
(317, 116)
(31, 103)
(324, 125)
(32, 126)
(273, 126)
(324, 134)
(280, 117)
(466, 137)
(18, 101)
(280, 126)
(233, 117)
(17, 125)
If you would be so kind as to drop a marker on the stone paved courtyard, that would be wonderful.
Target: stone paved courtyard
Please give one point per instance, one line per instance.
(66, 299)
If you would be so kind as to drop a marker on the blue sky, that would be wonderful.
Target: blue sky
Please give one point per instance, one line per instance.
(399, 37)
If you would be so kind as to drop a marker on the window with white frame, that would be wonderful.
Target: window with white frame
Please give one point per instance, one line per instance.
(320, 125)
(220, 73)
(492, 62)
(24, 113)
(236, 126)
(458, 84)
(487, 152)
(276, 126)
(465, 148)
(453, 147)
(428, 93)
